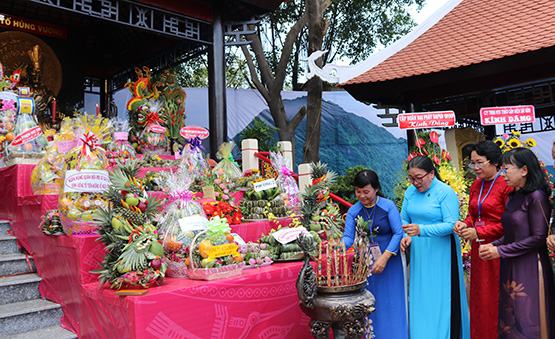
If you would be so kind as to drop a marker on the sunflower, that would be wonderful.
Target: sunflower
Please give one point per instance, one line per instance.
(499, 142)
(531, 142)
(514, 143)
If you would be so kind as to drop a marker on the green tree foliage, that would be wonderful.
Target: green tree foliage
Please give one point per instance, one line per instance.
(354, 29)
(264, 133)
(343, 185)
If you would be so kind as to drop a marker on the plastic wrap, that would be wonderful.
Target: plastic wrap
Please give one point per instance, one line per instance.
(29, 141)
(227, 169)
(8, 112)
(286, 182)
(152, 139)
(120, 149)
(85, 179)
(182, 219)
(192, 158)
(47, 176)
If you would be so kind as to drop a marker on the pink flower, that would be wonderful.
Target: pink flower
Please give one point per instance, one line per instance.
(411, 156)
(434, 137)
(225, 197)
(420, 142)
(217, 181)
(436, 160)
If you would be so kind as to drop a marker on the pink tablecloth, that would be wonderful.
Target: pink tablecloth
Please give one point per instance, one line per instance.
(262, 303)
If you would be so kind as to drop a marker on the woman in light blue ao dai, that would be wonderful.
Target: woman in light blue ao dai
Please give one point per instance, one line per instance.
(438, 307)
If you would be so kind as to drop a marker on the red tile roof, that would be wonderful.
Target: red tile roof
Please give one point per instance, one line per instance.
(474, 31)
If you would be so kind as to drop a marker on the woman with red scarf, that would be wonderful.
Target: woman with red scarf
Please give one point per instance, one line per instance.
(488, 195)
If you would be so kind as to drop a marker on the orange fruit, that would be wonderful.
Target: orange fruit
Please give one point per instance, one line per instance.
(9, 137)
(229, 237)
(28, 147)
(203, 248)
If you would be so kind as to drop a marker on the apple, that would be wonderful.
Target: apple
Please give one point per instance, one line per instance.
(131, 200)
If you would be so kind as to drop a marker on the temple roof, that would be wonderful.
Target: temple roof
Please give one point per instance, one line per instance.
(464, 33)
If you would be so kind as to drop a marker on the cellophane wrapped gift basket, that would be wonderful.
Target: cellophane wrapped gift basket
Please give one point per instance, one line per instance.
(85, 178)
(286, 182)
(120, 148)
(47, 176)
(29, 141)
(181, 221)
(213, 253)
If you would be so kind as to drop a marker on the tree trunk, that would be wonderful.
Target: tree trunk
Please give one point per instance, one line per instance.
(316, 30)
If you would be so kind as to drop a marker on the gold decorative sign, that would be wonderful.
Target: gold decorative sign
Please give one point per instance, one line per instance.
(32, 26)
(222, 251)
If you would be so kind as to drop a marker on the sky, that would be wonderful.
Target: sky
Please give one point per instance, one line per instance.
(428, 9)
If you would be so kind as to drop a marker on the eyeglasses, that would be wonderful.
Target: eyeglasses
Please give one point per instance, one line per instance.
(418, 179)
(477, 165)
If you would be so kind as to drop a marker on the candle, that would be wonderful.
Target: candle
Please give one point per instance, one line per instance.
(336, 259)
(328, 264)
(53, 110)
(97, 110)
(319, 270)
(345, 270)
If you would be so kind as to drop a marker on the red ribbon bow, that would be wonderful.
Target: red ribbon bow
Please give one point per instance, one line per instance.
(90, 143)
(152, 118)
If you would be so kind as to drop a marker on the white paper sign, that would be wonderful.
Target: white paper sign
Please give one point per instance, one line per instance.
(237, 238)
(88, 181)
(193, 223)
(264, 185)
(287, 235)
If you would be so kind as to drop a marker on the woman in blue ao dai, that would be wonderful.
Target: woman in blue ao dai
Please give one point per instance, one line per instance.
(438, 307)
(387, 282)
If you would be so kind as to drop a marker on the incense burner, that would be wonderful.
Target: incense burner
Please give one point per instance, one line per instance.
(341, 307)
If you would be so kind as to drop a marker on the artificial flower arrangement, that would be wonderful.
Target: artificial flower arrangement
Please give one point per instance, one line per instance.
(126, 226)
(213, 253)
(47, 176)
(180, 222)
(85, 177)
(509, 141)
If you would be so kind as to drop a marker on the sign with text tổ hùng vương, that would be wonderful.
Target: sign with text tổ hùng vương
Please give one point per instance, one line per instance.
(32, 26)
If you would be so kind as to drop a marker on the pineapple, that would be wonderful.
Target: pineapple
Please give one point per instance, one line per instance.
(133, 217)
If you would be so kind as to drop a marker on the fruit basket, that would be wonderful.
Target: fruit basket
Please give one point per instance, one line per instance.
(219, 261)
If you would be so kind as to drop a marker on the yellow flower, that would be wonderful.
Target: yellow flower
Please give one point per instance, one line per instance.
(515, 133)
(499, 142)
(514, 143)
(530, 142)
